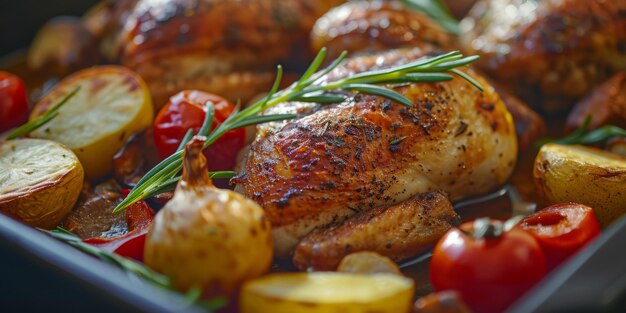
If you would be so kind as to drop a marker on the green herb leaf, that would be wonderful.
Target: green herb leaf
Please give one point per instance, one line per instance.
(42, 119)
(123, 263)
(260, 119)
(193, 296)
(437, 11)
(583, 137)
(380, 91)
(324, 99)
(397, 140)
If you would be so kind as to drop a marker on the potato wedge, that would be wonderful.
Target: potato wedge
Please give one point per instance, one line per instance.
(112, 104)
(40, 181)
(367, 262)
(583, 175)
(320, 292)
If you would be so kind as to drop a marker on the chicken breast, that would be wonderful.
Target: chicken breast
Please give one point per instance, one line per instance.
(340, 159)
(226, 47)
(398, 231)
(553, 51)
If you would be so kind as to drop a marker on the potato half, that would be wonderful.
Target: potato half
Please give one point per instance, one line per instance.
(320, 292)
(583, 175)
(112, 104)
(40, 181)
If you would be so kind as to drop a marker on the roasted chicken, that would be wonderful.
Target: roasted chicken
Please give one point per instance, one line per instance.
(225, 47)
(342, 159)
(550, 52)
(374, 26)
(366, 27)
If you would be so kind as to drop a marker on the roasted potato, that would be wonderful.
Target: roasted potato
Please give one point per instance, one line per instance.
(320, 292)
(63, 45)
(367, 262)
(583, 175)
(40, 181)
(112, 104)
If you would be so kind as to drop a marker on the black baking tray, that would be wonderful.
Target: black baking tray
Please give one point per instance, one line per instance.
(41, 274)
(38, 273)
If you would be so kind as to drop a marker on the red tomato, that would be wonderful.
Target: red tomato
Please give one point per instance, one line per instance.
(13, 101)
(139, 217)
(187, 109)
(562, 230)
(489, 273)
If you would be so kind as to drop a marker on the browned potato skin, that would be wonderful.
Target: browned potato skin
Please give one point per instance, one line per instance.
(606, 105)
(226, 47)
(62, 46)
(582, 174)
(552, 52)
(382, 25)
(398, 231)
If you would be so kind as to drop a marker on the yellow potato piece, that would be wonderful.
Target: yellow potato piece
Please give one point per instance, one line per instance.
(367, 262)
(112, 104)
(320, 292)
(583, 175)
(40, 181)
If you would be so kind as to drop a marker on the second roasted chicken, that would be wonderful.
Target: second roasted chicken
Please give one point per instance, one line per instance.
(339, 160)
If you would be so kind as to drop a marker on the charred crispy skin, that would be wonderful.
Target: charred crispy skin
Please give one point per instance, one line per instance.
(352, 157)
(605, 105)
(374, 26)
(221, 46)
(398, 231)
(554, 51)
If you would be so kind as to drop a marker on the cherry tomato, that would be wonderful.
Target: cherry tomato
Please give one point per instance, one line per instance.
(562, 230)
(13, 101)
(489, 272)
(139, 217)
(187, 109)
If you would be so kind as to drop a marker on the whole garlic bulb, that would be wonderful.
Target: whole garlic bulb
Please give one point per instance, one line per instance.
(206, 237)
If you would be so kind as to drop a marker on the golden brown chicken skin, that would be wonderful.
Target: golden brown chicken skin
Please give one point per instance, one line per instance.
(553, 51)
(226, 47)
(356, 156)
(398, 231)
(374, 26)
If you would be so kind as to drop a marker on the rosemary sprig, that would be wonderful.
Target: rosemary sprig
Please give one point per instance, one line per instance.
(123, 263)
(583, 137)
(309, 87)
(42, 119)
(170, 184)
(193, 296)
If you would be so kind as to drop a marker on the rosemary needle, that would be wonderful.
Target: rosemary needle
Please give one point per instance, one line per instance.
(42, 119)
